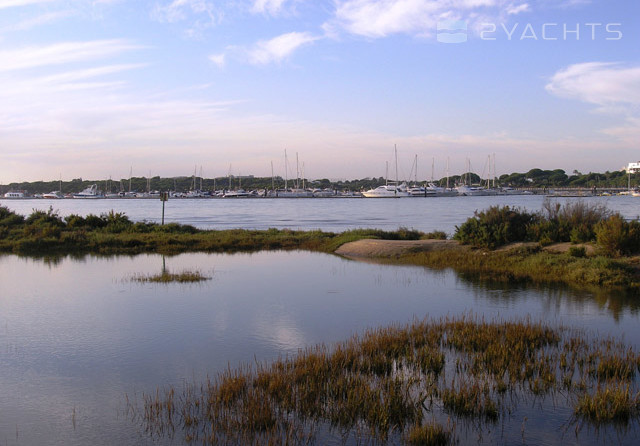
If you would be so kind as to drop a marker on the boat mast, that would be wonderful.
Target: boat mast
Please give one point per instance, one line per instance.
(447, 172)
(395, 150)
(286, 176)
(433, 165)
(386, 175)
(297, 172)
(272, 182)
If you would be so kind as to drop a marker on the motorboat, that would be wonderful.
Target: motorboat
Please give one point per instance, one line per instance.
(55, 195)
(90, 192)
(387, 191)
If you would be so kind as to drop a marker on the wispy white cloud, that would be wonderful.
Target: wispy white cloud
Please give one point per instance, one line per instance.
(13, 3)
(600, 83)
(198, 15)
(61, 53)
(381, 18)
(272, 7)
(515, 9)
(43, 19)
(218, 59)
(279, 48)
(614, 88)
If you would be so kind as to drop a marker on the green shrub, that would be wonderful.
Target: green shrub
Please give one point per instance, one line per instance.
(495, 226)
(116, 222)
(577, 251)
(9, 218)
(434, 235)
(42, 218)
(75, 221)
(572, 222)
(176, 228)
(616, 236)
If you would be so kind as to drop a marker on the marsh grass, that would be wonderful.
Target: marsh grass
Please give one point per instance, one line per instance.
(168, 277)
(398, 383)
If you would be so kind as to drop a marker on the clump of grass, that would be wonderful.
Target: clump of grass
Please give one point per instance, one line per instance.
(168, 277)
(577, 251)
(470, 400)
(383, 385)
(430, 434)
(611, 402)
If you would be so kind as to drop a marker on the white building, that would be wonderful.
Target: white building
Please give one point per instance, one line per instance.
(633, 167)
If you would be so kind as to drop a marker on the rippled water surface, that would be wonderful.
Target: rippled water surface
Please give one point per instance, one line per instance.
(77, 336)
(329, 214)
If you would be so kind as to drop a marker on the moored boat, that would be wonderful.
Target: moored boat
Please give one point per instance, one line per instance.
(387, 191)
(90, 192)
(55, 195)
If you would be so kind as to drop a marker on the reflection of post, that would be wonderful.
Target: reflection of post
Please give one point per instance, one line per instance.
(164, 265)
(164, 196)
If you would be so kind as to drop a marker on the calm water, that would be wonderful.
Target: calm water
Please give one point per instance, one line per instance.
(329, 214)
(76, 335)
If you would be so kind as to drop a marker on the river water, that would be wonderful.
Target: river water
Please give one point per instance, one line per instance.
(329, 214)
(78, 336)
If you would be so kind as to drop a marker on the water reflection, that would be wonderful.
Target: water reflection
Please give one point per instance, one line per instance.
(554, 297)
(75, 335)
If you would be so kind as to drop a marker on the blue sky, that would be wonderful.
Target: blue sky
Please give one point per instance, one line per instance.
(94, 88)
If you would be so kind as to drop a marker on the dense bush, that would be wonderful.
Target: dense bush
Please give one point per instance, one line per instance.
(9, 218)
(572, 222)
(616, 236)
(42, 218)
(495, 226)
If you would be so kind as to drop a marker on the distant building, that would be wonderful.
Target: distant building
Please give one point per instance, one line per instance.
(633, 167)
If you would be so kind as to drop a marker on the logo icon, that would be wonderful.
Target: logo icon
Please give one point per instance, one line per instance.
(452, 31)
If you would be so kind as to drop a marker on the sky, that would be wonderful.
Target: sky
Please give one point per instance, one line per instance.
(99, 89)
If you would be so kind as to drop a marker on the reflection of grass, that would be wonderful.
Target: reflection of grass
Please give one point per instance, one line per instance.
(167, 277)
(533, 265)
(405, 382)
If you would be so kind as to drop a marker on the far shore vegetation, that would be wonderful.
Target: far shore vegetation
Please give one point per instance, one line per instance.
(500, 243)
(534, 178)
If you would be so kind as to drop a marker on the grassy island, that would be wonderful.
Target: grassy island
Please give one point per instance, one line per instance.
(599, 248)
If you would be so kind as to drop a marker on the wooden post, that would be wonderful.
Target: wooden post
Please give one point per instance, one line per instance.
(164, 197)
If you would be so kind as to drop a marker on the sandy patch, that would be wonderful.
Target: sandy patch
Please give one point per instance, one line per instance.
(393, 248)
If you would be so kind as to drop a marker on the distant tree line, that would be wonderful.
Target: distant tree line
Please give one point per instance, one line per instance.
(535, 178)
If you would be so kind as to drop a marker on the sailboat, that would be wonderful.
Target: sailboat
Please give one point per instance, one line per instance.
(295, 192)
(394, 190)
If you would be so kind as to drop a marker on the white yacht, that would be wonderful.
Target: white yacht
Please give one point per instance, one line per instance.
(89, 193)
(387, 191)
(55, 195)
